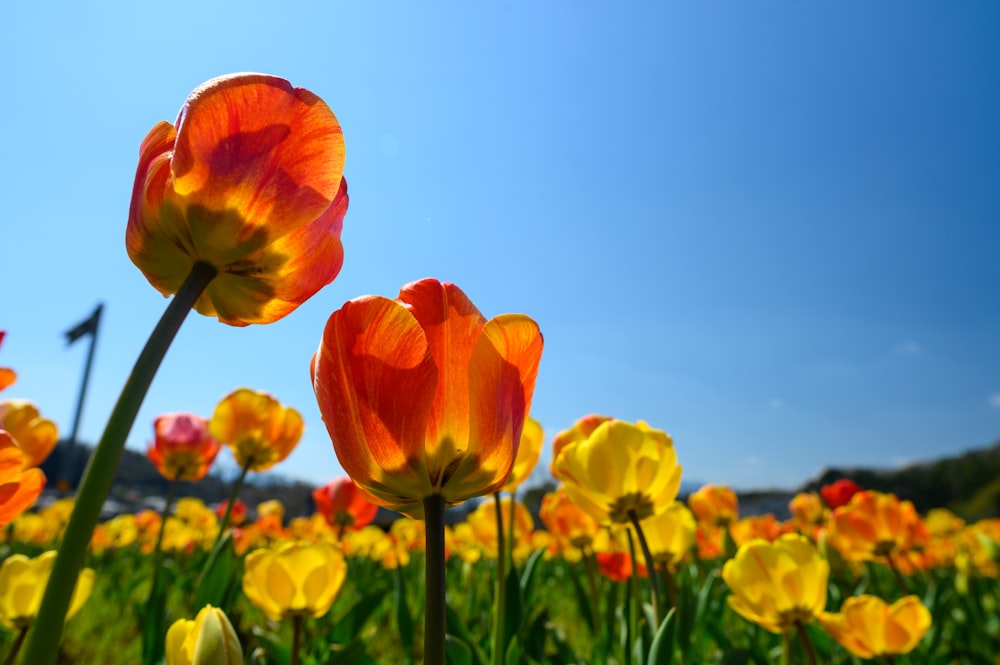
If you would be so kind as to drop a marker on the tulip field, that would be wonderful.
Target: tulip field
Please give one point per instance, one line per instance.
(236, 213)
(575, 593)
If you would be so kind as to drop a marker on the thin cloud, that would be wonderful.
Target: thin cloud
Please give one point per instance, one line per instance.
(995, 400)
(908, 347)
(776, 403)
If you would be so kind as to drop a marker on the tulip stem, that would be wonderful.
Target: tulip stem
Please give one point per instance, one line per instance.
(296, 638)
(44, 639)
(9, 660)
(806, 643)
(233, 496)
(899, 576)
(155, 612)
(217, 546)
(654, 577)
(500, 607)
(434, 581)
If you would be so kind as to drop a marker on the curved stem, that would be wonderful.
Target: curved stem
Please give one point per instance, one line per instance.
(500, 608)
(654, 578)
(46, 633)
(434, 581)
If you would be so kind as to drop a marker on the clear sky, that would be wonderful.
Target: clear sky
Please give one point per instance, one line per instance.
(771, 229)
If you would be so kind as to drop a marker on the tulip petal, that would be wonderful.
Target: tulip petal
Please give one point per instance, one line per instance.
(254, 144)
(452, 325)
(501, 379)
(374, 380)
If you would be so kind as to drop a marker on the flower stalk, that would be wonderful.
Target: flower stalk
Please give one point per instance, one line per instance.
(434, 581)
(43, 641)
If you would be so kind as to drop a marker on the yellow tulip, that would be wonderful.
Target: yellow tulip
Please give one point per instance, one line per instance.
(294, 579)
(867, 626)
(777, 585)
(208, 640)
(620, 471)
(22, 583)
(528, 452)
(670, 535)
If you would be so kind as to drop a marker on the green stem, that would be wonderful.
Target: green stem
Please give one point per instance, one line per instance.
(16, 647)
(654, 577)
(217, 546)
(296, 638)
(786, 648)
(899, 576)
(806, 643)
(233, 496)
(44, 639)
(434, 581)
(500, 608)
(155, 614)
(588, 563)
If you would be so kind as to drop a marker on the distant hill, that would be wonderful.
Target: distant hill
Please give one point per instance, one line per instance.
(968, 484)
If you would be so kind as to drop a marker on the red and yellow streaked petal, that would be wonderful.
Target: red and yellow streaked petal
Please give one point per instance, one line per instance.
(451, 325)
(501, 380)
(256, 145)
(375, 381)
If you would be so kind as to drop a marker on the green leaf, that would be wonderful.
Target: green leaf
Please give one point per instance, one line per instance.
(513, 656)
(457, 626)
(456, 651)
(404, 620)
(582, 600)
(154, 631)
(528, 576)
(736, 657)
(662, 651)
(514, 610)
(277, 651)
(218, 577)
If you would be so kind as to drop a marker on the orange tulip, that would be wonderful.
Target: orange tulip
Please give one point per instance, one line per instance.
(869, 627)
(19, 487)
(257, 428)
(875, 526)
(34, 435)
(343, 504)
(183, 448)
(714, 504)
(7, 375)
(423, 396)
(567, 522)
(251, 182)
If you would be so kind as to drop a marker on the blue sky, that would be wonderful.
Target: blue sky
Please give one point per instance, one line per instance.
(768, 228)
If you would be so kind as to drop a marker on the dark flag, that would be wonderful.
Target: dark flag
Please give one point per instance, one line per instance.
(86, 327)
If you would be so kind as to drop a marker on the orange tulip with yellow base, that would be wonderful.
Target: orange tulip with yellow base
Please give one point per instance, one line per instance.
(249, 181)
(19, 487)
(869, 627)
(423, 396)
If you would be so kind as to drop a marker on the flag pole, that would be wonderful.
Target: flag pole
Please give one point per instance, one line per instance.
(90, 327)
